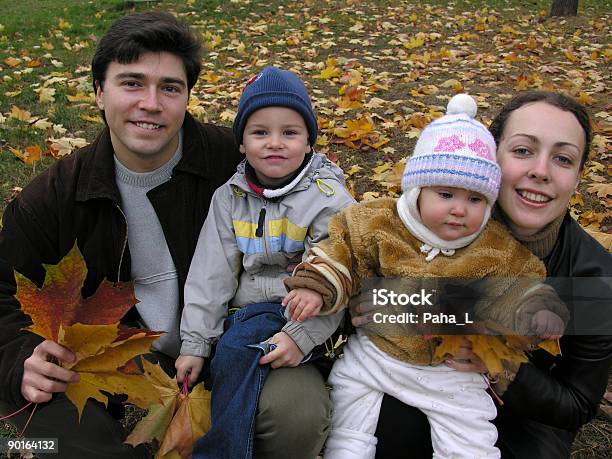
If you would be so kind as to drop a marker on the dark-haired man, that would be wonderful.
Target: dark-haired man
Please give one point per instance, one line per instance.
(134, 200)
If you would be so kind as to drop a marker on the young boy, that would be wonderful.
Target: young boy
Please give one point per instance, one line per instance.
(275, 207)
(437, 228)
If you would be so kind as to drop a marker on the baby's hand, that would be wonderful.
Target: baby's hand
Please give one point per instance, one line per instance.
(286, 354)
(302, 304)
(547, 325)
(188, 366)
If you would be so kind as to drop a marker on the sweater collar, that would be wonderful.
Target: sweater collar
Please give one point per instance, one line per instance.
(540, 243)
(97, 175)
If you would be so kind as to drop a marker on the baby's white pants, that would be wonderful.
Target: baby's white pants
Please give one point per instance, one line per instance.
(456, 404)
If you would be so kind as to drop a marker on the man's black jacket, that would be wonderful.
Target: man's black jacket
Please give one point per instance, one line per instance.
(77, 199)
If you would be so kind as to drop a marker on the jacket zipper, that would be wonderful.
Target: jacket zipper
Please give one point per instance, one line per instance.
(125, 241)
(261, 232)
(261, 221)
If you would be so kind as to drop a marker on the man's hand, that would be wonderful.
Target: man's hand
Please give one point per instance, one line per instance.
(302, 304)
(286, 354)
(189, 366)
(42, 377)
(547, 325)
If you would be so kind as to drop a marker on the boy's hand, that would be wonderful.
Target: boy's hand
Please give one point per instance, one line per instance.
(286, 354)
(188, 366)
(547, 325)
(302, 304)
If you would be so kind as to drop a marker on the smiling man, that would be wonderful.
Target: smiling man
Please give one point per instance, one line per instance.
(134, 201)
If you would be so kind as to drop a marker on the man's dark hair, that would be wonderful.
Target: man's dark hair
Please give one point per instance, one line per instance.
(558, 100)
(151, 31)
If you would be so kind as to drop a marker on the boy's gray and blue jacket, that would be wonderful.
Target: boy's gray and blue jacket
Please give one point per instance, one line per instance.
(243, 252)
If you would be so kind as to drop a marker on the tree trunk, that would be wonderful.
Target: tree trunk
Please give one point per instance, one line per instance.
(564, 8)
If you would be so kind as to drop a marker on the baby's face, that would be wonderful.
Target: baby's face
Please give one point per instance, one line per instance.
(451, 213)
(275, 142)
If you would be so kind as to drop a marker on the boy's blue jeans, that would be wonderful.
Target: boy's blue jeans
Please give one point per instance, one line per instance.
(237, 379)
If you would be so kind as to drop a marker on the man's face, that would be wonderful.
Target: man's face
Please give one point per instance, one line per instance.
(144, 103)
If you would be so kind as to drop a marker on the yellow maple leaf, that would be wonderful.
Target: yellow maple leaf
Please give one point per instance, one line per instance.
(569, 53)
(353, 169)
(81, 97)
(382, 168)
(90, 328)
(178, 421)
(12, 61)
(63, 24)
(602, 189)
(604, 239)
(551, 346)
(329, 72)
(29, 156)
(93, 119)
(42, 124)
(46, 95)
(415, 42)
(98, 356)
(19, 114)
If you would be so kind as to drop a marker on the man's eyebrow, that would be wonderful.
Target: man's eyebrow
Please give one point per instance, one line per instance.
(174, 80)
(135, 75)
(142, 76)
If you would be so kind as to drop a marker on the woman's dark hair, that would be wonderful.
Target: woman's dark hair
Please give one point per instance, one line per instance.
(151, 31)
(561, 101)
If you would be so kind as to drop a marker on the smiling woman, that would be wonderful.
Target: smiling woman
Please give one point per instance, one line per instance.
(543, 143)
(540, 154)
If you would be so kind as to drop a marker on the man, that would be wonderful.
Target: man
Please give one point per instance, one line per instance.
(134, 200)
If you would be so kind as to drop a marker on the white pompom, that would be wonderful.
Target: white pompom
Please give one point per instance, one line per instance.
(462, 103)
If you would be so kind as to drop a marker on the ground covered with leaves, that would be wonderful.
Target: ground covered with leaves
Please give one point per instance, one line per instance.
(378, 72)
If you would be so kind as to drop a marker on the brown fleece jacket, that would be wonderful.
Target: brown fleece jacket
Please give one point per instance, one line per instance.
(369, 240)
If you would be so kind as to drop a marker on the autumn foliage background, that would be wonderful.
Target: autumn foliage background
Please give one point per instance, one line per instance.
(377, 71)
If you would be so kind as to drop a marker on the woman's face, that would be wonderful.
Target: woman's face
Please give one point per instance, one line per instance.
(539, 154)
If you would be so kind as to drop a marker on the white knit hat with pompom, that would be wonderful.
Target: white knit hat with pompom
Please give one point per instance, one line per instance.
(455, 150)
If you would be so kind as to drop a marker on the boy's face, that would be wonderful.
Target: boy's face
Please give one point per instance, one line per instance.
(451, 213)
(144, 103)
(275, 141)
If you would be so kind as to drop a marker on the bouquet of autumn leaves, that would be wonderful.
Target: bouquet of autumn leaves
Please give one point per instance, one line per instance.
(105, 353)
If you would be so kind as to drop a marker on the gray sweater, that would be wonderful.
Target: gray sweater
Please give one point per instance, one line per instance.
(155, 278)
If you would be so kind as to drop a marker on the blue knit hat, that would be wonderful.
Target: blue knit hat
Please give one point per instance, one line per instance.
(274, 87)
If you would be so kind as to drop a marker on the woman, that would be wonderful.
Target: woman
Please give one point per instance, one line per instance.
(543, 142)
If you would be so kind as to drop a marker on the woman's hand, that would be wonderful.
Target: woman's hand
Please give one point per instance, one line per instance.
(286, 354)
(362, 308)
(466, 360)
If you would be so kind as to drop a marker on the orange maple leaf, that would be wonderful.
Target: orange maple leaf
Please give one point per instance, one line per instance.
(90, 328)
(59, 301)
(178, 421)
